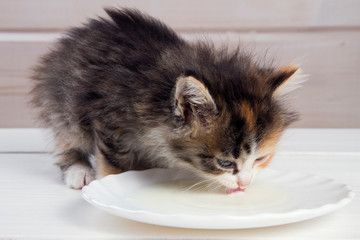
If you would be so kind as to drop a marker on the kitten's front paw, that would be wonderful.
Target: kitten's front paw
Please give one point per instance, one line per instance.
(77, 176)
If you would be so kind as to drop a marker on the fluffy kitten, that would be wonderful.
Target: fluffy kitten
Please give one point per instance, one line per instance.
(131, 93)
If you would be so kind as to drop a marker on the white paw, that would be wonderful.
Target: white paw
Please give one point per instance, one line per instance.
(77, 176)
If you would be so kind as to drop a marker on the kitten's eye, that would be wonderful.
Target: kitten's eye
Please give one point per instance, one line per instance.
(260, 159)
(225, 163)
(205, 156)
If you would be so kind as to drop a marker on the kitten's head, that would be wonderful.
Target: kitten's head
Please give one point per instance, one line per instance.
(230, 127)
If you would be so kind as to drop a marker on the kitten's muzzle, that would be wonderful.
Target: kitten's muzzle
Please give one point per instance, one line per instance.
(244, 178)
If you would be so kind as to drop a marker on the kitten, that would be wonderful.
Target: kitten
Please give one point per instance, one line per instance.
(131, 93)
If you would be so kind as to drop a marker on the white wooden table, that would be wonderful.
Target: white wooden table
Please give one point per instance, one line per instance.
(35, 204)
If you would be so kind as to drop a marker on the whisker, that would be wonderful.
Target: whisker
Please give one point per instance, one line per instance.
(210, 183)
(214, 186)
(197, 185)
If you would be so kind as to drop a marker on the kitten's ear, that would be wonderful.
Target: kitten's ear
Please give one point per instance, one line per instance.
(193, 101)
(285, 80)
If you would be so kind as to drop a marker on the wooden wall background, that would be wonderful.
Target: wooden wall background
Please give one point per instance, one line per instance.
(323, 36)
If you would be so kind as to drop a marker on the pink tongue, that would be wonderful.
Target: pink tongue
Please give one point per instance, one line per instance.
(236, 190)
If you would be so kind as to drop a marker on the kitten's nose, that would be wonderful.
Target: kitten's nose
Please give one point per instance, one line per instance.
(244, 178)
(242, 184)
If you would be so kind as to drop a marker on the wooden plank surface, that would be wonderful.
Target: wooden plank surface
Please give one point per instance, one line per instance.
(35, 204)
(328, 99)
(15, 111)
(185, 15)
(323, 36)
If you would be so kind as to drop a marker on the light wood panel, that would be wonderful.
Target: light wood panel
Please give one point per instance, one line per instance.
(15, 111)
(328, 99)
(185, 15)
(323, 36)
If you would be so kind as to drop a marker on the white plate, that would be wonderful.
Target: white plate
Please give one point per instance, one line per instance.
(163, 197)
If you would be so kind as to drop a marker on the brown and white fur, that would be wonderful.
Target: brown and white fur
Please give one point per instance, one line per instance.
(132, 94)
